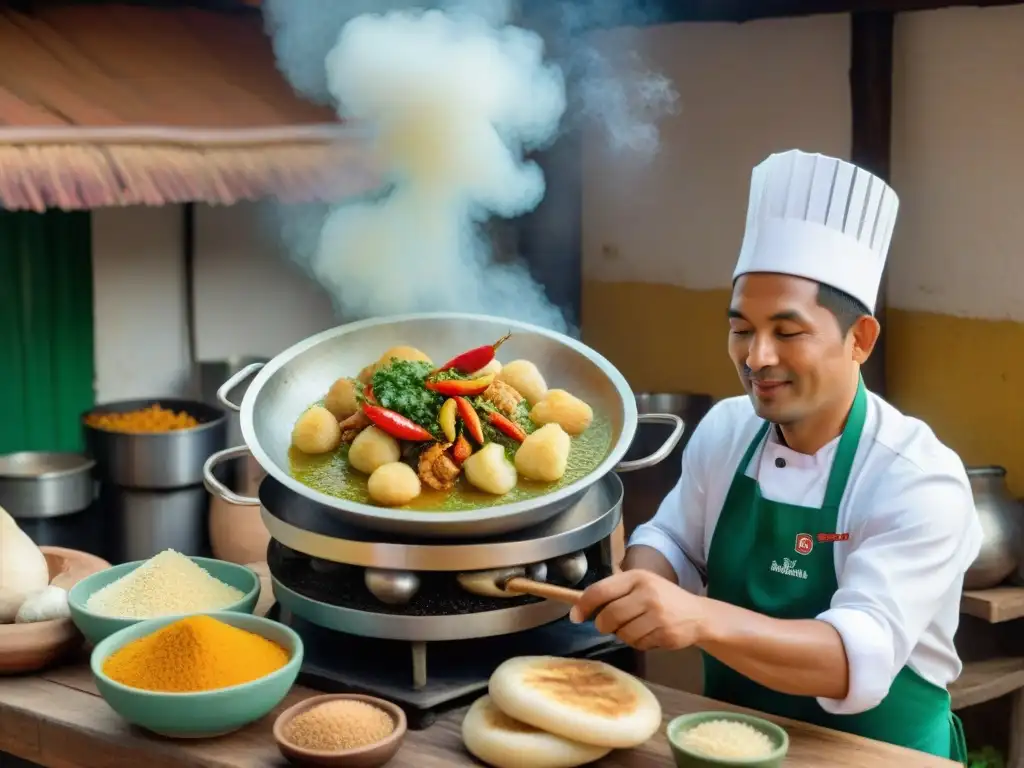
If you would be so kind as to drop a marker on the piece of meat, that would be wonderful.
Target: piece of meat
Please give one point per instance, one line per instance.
(436, 468)
(353, 425)
(503, 397)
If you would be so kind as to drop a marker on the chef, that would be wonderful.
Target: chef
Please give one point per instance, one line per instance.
(815, 545)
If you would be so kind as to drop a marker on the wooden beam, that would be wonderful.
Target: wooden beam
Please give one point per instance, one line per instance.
(871, 52)
(643, 13)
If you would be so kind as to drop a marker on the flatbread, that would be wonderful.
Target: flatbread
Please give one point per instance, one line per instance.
(494, 738)
(579, 699)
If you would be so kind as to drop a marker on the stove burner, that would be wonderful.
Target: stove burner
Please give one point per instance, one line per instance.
(458, 672)
(439, 593)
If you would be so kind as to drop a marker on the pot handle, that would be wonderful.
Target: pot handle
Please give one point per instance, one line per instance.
(216, 487)
(233, 381)
(666, 448)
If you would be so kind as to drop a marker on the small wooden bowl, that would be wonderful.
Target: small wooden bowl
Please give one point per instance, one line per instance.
(31, 647)
(370, 756)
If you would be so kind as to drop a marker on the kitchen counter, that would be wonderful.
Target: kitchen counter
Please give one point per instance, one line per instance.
(57, 719)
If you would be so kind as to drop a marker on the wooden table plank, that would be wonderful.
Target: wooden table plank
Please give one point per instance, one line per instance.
(59, 721)
(994, 605)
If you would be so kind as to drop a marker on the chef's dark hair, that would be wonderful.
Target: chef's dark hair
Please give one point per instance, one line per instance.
(847, 310)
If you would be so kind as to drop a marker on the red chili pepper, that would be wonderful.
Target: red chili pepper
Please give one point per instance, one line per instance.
(470, 419)
(506, 426)
(475, 359)
(395, 424)
(467, 387)
(462, 450)
(368, 393)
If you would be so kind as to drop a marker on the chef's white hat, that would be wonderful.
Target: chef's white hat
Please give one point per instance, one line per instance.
(820, 218)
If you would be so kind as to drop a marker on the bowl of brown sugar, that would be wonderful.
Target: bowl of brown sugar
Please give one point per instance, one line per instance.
(344, 730)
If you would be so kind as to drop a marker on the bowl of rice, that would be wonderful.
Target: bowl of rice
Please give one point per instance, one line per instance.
(708, 739)
(167, 585)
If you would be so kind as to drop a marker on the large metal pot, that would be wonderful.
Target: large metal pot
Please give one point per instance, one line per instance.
(37, 485)
(286, 386)
(999, 515)
(156, 460)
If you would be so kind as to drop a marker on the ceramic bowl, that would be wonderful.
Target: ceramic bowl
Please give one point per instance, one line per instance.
(370, 756)
(206, 713)
(687, 759)
(31, 647)
(96, 627)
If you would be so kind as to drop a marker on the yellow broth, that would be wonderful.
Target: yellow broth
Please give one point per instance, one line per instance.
(331, 474)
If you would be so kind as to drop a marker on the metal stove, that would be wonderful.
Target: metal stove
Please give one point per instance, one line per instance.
(386, 615)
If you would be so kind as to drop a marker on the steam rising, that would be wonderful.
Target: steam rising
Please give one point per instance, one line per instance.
(456, 98)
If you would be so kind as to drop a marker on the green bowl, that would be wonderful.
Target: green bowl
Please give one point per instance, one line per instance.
(204, 714)
(96, 627)
(686, 759)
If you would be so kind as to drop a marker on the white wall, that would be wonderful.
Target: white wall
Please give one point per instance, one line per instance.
(958, 163)
(746, 90)
(249, 300)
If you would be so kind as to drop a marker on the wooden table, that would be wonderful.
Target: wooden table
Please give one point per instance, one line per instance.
(57, 719)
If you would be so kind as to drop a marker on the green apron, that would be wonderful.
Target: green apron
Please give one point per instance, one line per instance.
(766, 556)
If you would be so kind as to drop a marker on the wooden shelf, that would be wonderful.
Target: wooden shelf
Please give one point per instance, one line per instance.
(994, 605)
(982, 681)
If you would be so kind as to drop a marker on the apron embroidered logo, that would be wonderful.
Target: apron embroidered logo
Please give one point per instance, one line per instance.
(804, 543)
(788, 568)
(824, 538)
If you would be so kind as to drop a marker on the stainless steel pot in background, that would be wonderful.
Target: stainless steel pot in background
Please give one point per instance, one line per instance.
(160, 460)
(142, 523)
(40, 485)
(51, 497)
(1001, 526)
(647, 487)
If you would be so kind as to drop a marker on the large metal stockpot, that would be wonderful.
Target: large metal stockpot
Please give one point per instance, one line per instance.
(299, 376)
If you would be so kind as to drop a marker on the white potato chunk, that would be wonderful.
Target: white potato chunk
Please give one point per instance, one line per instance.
(524, 378)
(393, 484)
(373, 448)
(490, 471)
(567, 411)
(544, 454)
(316, 431)
(492, 367)
(403, 353)
(341, 399)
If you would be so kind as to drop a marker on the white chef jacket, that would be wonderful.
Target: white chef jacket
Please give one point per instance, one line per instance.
(913, 532)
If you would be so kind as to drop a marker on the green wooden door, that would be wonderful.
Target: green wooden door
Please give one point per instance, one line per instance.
(46, 329)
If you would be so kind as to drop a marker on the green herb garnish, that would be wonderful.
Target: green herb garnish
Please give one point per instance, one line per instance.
(399, 386)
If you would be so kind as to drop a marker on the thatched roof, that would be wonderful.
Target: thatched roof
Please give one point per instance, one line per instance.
(118, 105)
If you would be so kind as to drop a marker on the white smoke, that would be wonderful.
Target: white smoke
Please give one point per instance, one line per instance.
(456, 98)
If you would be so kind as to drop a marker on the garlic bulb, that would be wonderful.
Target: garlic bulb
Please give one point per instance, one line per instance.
(23, 569)
(51, 603)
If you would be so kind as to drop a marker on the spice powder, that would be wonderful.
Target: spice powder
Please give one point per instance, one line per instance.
(197, 653)
(339, 725)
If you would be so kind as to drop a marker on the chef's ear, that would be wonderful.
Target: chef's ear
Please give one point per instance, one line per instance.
(862, 337)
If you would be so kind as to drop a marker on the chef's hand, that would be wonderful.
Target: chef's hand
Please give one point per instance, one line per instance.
(643, 610)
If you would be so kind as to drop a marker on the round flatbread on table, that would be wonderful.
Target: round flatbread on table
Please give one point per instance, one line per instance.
(494, 738)
(579, 699)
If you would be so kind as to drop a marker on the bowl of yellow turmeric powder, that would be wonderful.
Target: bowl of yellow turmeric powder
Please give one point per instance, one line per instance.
(199, 676)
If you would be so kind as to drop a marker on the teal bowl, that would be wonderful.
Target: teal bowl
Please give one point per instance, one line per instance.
(96, 627)
(203, 714)
(686, 758)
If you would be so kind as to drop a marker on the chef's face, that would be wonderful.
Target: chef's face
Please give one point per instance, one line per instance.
(791, 355)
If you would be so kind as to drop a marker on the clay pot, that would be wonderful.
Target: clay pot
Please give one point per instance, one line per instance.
(237, 534)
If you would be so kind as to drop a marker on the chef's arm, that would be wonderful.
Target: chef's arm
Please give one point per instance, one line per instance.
(671, 543)
(643, 558)
(798, 657)
(907, 562)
